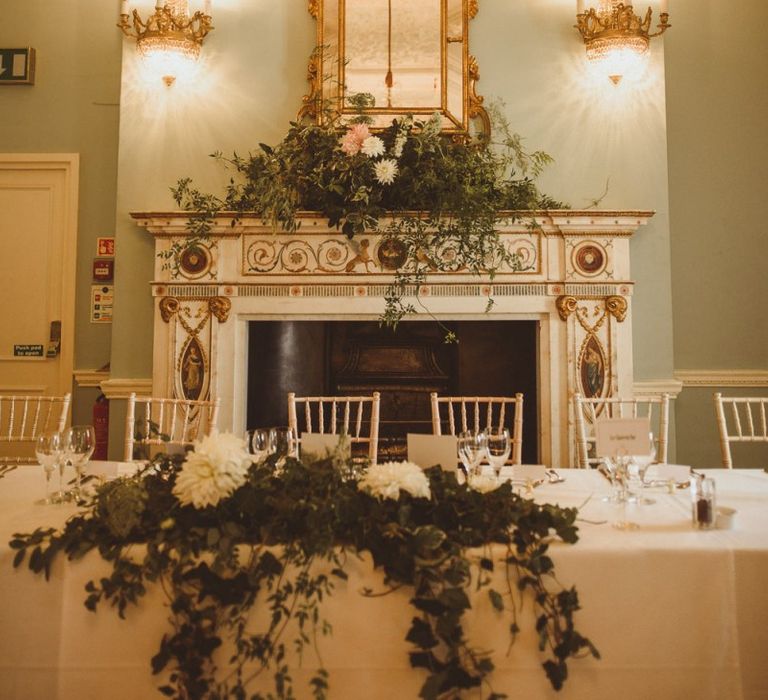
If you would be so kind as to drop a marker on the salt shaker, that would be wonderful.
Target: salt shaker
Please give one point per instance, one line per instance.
(703, 502)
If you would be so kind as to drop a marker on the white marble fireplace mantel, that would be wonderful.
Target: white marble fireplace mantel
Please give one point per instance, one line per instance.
(574, 280)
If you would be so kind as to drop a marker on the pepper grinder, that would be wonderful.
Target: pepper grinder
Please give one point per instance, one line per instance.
(703, 502)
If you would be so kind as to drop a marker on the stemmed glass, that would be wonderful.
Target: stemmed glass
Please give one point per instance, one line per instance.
(642, 462)
(282, 442)
(498, 447)
(48, 450)
(258, 443)
(472, 449)
(78, 446)
(620, 464)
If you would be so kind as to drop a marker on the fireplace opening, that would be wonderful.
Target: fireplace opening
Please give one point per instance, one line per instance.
(311, 358)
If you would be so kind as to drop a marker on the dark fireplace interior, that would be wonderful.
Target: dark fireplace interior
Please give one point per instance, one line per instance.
(311, 358)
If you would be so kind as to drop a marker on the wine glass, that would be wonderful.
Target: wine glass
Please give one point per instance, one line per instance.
(621, 464)
(642, 462)
(282, 442)
(79, 444)
(258, 443)
(498, 447)
(471, 446)
(48, 450)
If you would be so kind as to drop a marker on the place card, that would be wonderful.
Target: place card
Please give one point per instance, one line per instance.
(111, 470)
(429, 450)
(321, 445)
(622, 436)
(668, 472)
(526, 472)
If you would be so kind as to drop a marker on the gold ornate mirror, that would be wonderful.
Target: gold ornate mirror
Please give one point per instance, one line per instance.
(411, 55)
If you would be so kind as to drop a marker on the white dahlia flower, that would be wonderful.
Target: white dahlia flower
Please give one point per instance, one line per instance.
(218, 465)
(373, 147)
(385, 170)
(388, 479)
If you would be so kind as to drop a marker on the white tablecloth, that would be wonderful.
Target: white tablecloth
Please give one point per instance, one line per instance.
(675, 612)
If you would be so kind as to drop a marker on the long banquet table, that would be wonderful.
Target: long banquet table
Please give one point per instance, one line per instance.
(675, 612)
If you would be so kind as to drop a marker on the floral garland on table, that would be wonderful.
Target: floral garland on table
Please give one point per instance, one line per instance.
(443, 198)
(224, 537)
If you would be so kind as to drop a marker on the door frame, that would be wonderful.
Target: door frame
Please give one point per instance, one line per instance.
(69, 165)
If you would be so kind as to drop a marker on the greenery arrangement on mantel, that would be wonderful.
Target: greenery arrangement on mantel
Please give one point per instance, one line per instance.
(226, 538)
(441, 197)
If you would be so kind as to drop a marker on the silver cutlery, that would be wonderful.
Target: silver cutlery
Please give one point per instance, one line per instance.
(553, 477)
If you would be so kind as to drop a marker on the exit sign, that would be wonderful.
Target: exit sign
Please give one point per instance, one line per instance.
(17, 66)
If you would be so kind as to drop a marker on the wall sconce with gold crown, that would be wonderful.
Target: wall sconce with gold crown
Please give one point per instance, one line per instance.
(617, 40)
(170, 37)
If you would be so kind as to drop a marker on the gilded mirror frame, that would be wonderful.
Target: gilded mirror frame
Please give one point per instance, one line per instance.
(461, 108)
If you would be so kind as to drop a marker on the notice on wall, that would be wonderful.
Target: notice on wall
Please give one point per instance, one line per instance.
(102, 297)
(17, 66)
(28, 350)
(105, 247)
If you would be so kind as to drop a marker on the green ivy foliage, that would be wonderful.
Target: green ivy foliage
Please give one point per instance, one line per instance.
(280, 543)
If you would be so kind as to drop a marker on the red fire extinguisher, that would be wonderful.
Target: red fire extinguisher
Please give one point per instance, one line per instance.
(101, 426)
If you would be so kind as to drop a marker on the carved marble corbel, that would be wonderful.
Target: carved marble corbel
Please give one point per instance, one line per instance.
(169, 307)
(617, 307)
(566, 305)
(220, 308)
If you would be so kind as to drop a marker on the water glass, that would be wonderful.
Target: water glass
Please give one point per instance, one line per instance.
(498, 447)
(620, 468)
(78, 446)
(258, 443)
(282, 442)
(472, 450)
(48, 450)
(642, 462)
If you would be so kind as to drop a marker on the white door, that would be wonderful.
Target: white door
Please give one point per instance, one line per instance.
(38, 242)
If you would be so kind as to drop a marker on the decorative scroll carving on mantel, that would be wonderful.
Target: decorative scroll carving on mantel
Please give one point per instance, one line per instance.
(316, 250)
(574, 279)
(285, 254)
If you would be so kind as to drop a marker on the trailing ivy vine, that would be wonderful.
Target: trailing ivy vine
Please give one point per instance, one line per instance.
(281, 543)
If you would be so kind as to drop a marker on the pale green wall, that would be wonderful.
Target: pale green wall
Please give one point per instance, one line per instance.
(250, 83)
(717, 108)
(529, 56)
(254, 67)
(73, 107)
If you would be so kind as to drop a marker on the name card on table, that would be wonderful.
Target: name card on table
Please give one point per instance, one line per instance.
(429, 450)
(321, 445)
(622, 436)
(112, 470)
(532, 472)
(666, 472)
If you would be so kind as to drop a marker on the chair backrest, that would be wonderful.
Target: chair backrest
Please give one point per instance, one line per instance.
(586, 412)
(333, 415)
(478, 413)
(744, 421)
(23, 418)
(167, 422)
